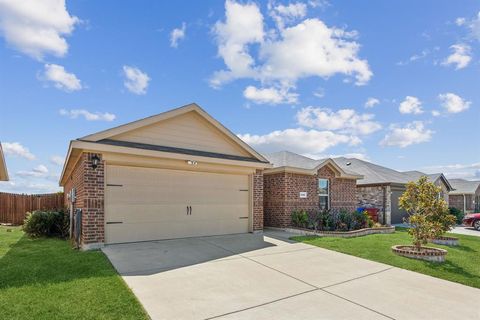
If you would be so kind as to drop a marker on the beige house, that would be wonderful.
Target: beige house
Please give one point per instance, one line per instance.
(177, 174)
(3, 166)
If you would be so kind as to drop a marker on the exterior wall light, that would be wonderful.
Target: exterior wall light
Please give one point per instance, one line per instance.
(192, 162)
(95, 161)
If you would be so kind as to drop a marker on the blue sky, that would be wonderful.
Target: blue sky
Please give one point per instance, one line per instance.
(283, 75)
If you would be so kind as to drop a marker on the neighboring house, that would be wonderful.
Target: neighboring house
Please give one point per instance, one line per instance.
(297, 182)
(174, 175)
(382, 187)
(3, 166)
(466, 196)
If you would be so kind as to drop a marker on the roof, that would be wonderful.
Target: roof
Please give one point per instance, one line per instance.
(462, 186)
(101, 142)
(372, 173)
(3, 166)
(415, 175)
(291, 160)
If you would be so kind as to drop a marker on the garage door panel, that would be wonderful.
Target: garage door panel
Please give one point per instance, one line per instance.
(152, 204)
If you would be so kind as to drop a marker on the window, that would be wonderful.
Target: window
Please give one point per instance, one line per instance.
(324, 193)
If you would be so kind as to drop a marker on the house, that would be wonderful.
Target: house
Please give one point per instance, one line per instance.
(173, 175)
(297, 182)
(381, 187)
(3, 166)
(466, 196)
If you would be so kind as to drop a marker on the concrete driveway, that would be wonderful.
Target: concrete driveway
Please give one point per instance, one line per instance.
(255, 276)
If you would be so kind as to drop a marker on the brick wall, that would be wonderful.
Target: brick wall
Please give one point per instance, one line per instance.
(378, 197)
(258, 200)
(282, 195)
(89, 185)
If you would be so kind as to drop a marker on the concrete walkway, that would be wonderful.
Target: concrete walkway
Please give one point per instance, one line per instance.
(255, 276)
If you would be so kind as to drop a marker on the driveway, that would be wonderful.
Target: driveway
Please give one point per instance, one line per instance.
(266, 276)
(469, 231)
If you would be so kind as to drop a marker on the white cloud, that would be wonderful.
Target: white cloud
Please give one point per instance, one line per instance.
(460, 57)
(311, 48)
(38, 171)
(344, 120)
(371, 102)
(57, 160)
(29, 187)
(413, 133)
(89, 116)
(35, 27)
(16, 149)
(177, 34)
(472, 25)
(460, 21)
(453, 103)
(436, 113)
(285, 55)
(298, 140)
(411, 105)
(233, 40)
(269, 95)
(61, 78)
(285, 14)
(469, 171)
(319, 93)
(136, 81)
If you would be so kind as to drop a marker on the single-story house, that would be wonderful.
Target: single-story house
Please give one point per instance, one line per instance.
(466, 196)
(173, 175)
(3, 166)
(381, 187)
(299, 183)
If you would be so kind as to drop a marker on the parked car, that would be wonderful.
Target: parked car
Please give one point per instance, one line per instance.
(472, 220)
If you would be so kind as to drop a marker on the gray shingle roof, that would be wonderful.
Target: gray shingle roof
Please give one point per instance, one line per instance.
(291, 159)
(372, 173)
(462, 186)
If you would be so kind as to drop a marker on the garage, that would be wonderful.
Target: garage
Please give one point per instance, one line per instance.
(178, 174)
(397, 214)
(153, 204)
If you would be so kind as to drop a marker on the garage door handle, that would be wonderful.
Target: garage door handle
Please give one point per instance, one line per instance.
(189, 210)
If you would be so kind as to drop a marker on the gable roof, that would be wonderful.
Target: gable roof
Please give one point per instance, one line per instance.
(106, 134)
(462, 186)
(372, 173)
(3, 166)
(286, 160)
(415, 175)
(100, 141)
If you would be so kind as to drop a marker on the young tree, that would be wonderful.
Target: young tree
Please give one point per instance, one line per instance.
(428, 212)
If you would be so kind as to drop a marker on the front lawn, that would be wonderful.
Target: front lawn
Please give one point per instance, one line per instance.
(47, 279)
(462, 265)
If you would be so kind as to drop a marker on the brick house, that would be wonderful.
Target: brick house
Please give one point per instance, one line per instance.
(466, 196)
(177, 174)
(381, 187)
(298, 182)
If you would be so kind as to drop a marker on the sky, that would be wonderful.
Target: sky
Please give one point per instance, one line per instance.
(392, 82)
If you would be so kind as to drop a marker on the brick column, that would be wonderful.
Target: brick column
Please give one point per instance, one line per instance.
(258, 200)
(93, 226)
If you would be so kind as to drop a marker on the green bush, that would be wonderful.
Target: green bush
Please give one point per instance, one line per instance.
(300, 218)
(47, 224)
(457, 213)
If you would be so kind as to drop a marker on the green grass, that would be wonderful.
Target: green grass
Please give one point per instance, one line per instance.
(47, 279)
(462, 264)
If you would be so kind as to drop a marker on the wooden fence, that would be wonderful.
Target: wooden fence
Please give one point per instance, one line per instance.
(13, 207)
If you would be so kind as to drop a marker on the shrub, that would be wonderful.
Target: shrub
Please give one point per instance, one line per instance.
(300, 218)
(47, 224)
(457, 213)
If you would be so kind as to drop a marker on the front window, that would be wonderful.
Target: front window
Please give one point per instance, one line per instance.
(324, 193)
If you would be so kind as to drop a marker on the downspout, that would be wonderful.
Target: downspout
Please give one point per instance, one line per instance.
(464, 203)
(384, 205)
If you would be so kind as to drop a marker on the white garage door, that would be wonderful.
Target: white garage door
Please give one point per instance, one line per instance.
(152, 204)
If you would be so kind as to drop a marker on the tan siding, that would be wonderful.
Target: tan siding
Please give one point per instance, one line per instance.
(189, 131)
